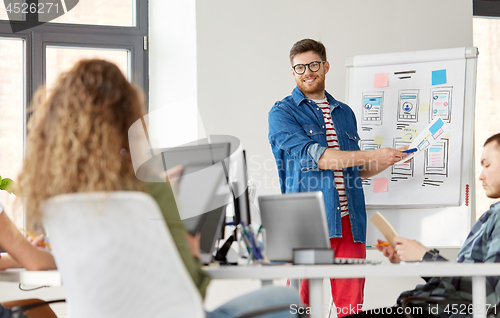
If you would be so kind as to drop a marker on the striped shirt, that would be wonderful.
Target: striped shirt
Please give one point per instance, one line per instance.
(333, 143)
(481, 246)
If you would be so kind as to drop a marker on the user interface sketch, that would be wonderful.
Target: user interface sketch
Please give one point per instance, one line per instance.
(414, 105)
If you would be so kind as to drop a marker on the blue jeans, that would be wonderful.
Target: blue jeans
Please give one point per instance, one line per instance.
(262, 298)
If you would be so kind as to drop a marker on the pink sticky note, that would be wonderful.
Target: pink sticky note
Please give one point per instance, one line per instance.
(381, 80)
(379, 185)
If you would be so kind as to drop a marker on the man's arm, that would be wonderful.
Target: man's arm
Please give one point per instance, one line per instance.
(374, 167)
(409, 250)
(286, 134)
(405, 250)
(373, 161)
(370, 170)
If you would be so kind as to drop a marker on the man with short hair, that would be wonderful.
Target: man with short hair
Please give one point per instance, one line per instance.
(314, 140)
(481, 246)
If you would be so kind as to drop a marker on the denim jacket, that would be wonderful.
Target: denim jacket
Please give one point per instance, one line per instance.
(297, 135)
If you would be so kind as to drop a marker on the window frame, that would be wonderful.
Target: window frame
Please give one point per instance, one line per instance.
(40, 35)
(97, 36)
(486, 8)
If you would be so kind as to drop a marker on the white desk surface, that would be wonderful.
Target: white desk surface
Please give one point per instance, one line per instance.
(36, 278)
(429, 269)
(315, 274)
(426, 269)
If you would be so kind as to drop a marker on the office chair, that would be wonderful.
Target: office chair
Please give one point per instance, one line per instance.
(32, 308)
(118, 259)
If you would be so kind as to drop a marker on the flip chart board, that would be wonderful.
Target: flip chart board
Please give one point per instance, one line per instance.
(398, 98)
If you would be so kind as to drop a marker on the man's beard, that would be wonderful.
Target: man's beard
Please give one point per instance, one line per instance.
(318, 87)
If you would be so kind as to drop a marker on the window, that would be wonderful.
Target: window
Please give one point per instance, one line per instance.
(61, 59)
(109, 12)
(11, 118)
(36, 48)
(3, 13)
(12, 16)
(487, 38)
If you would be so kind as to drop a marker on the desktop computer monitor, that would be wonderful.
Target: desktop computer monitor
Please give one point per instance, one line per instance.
(238, 179)
(210, 233)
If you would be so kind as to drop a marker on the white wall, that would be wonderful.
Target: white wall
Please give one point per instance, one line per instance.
(243, 47)
(173, 69)
(229, 58)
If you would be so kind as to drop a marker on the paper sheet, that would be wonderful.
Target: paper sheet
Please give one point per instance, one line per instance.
(428, 137)
(381, 80)
(439, 77)
(378, 140)
(379, 185)
(409, 134)
(384, 227)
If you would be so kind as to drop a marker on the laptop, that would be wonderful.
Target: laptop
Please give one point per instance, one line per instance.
(293, 220)
(203, 191)
(203, 185)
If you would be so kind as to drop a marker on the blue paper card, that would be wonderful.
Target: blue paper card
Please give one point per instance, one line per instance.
(437, 125)
(439, 77)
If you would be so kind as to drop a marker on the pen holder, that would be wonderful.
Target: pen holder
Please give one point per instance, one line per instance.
(244, 256)
(250, 246)
(261, 242)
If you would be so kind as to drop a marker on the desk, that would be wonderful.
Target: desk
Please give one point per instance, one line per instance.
(316, 273)
(33, 278)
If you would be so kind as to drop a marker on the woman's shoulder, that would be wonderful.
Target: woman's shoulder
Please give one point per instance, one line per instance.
(163, 195)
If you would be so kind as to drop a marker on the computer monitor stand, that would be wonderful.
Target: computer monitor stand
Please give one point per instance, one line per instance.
(221, 255)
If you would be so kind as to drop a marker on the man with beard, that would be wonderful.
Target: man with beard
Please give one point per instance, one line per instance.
(482, 245)
(314, 140)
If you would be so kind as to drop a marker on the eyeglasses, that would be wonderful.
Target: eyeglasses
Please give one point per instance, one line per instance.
(313, 67)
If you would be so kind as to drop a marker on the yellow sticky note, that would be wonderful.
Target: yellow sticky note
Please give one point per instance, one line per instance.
(409, 134)
(447, 135)
(378, 140)
(424, 107)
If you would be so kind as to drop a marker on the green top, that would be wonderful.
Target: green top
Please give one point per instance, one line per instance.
(163, 195)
